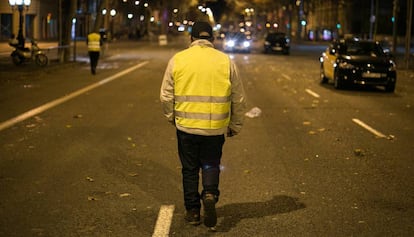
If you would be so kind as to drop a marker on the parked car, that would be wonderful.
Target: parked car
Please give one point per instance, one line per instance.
(277, 42)
(354, 61)
(236, 42)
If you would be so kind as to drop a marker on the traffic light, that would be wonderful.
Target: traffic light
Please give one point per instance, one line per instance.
(303, 22)
(338, 26)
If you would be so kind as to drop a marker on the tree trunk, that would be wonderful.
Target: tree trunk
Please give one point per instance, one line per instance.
(68, 12)
(99, 23)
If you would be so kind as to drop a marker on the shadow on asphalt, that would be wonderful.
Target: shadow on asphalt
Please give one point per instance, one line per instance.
(229, 216)
(362, 90)
(233, 213)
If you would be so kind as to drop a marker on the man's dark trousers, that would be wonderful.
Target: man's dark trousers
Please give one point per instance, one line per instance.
(199, 152)
(94, 57)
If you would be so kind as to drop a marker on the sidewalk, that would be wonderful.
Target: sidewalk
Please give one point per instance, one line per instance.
(50, 48)
(78, 53)
(5, 48)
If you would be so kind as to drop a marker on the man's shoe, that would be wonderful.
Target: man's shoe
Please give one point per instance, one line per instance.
(193, 216)
(210, 215)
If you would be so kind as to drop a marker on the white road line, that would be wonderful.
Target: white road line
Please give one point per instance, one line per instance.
(314, 94)
(162, 226)
(63, 99)
(286, 76)
(367, 127)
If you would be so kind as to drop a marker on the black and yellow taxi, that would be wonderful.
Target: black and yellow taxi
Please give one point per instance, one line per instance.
(354, 61)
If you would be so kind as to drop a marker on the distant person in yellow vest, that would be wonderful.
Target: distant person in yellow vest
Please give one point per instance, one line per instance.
(203, 96)
(94, 43)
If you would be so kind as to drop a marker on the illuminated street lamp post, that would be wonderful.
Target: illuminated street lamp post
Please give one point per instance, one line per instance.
(112, 13)
(20, 4)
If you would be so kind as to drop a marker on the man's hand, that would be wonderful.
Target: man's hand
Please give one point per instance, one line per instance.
(231, 132)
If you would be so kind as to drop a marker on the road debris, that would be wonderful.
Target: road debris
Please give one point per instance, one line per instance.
(124, 195)
(78, 116)
(90, 198)
(254, 112)
(359, 152)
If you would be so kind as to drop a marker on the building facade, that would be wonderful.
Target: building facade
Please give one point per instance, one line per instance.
(40, 20)
(329, 19)
(302, 19)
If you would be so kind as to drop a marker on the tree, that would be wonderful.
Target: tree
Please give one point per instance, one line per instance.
(165, 8)
(68, 14)
(99, 17)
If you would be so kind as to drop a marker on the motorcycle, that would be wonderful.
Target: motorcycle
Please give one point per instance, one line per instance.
(21, 55)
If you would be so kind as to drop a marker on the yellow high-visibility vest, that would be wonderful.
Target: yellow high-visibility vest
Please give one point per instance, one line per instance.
(202, 88)
(94, 42)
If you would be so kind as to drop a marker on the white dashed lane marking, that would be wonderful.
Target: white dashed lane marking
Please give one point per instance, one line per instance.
(287, 77)
(63, 99)
(355, 120)
(163, 224)
(314, 94)
(369, 128)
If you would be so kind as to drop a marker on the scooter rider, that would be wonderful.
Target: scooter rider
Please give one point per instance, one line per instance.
(13, 41)
(22, 54)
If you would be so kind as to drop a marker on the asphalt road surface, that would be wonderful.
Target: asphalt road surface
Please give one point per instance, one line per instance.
(84, 155)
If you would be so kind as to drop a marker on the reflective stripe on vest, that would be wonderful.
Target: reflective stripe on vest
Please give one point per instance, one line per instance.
(202, 88)
(94, 42)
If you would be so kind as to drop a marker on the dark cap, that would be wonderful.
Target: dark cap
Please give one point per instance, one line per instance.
(201, 30)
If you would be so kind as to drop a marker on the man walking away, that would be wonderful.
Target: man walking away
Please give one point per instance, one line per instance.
(203, 96)
(94, 43)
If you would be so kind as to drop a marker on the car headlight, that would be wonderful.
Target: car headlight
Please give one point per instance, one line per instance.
(246, 44)
(230, 43)
(393, 66)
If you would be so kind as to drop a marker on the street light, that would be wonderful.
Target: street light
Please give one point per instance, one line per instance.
(21, 5)
(113, 14)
